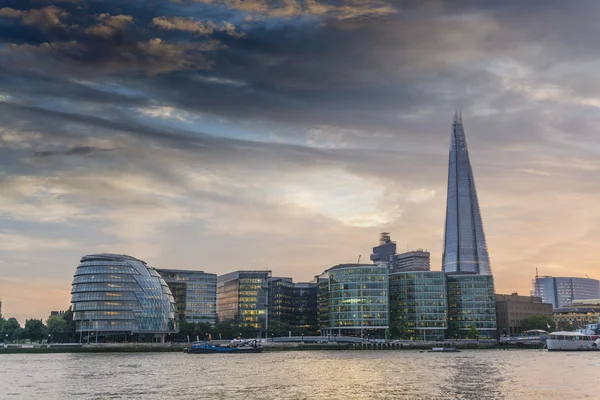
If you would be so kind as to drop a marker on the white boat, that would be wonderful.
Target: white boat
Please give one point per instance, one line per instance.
(573, 341)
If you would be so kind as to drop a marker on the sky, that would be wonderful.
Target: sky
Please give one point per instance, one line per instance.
(221, 135)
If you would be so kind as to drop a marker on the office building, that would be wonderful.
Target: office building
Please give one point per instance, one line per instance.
(306, 307)
(243, 298)
(465, 248)
(576, 317)
(418, 300)
(195, 294)
(114, 295)
(385, 251)
(418, 260)
(512, 309)
(562, 291)
(471, 303)
(353, 300)
(281, 300)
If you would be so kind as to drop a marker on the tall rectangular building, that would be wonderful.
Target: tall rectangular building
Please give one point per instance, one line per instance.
(465, 248)
(306, 307)
(281, 300)
(243, 298)
(561, 291)
(471, 303)
(195, 294)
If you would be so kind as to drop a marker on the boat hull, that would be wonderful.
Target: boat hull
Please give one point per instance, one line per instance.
(223, 350)
(571, 345)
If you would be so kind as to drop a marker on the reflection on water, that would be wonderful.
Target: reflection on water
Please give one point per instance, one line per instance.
(491, 374)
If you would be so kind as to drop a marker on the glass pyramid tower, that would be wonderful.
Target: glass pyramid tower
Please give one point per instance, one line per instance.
(465, 249)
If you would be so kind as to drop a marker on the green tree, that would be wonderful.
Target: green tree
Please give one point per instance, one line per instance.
(202, 329)
(35, 330)
(538, 322)
(453, 331)
(278, 329)
(68, 317)
(56, 324)
(13, 329)
(473, 333)
(399, 330)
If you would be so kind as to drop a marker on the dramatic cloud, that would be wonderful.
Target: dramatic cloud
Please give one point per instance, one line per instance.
(291, 131)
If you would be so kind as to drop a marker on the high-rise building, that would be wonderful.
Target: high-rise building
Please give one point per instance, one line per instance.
(353, 300)
(243, 298)
(195, 294)
(561, 291)
(471, 303)
(385, 251)
(419, 302)
(418, 260)
(306, 307)
(465, 248)
(114, 295)
(281, 300)
(512, 309)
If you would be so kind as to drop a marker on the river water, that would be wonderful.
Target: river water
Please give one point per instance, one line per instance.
(331, 375)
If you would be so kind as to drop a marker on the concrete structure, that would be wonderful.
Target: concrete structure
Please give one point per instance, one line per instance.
(418, 260)
(243, 299)
(512, 309)
(562, 291)
(353, 300)
(418, 300)
(471, 302)
(195, 294)
(465, 248)
(114, 295)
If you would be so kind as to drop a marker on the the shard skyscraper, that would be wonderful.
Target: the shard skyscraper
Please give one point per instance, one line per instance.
(465, 249)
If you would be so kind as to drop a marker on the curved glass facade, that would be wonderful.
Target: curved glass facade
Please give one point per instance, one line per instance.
(352, 298)
(119, 293)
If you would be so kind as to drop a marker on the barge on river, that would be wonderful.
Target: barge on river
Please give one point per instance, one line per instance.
(236, 348)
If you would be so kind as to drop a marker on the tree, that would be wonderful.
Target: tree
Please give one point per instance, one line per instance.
(399, 330)
(473, 333)
(13, 329)
(453, 331)
(538, 322)
(56, 324)
(277, 328)
(35, 330)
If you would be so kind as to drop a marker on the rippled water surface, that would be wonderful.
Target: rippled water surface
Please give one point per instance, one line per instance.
(490, 374)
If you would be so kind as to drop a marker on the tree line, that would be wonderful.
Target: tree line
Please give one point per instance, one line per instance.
(58, 328)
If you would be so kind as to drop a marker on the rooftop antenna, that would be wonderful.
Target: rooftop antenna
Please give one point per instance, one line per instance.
(536, 272)
(359, 258)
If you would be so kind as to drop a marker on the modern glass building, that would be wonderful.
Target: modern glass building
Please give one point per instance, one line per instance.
(353, 300)
(306, 307)
(471, 302)
(465, 248)
(281, 300)
(418, 300)
(195, 294)
(561, 291)
(243, 298)
(116, 294)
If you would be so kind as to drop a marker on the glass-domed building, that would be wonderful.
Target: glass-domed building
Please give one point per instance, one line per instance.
(116, 294)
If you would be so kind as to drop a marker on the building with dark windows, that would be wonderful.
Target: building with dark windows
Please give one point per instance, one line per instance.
(243, 298)
(281, 300)
(512, 309)
(465, 248)
(195, 294)
(115, 295)
(306, 307)
(353, 300)
(471, 302)
(562, 291)
(418, 300)
(418, 260)
(385, 251)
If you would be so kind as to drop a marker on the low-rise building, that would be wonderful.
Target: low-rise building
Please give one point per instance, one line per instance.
(572, 318)
(512, 309)
(471, 303)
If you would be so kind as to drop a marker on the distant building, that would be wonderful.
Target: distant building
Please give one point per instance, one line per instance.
(572, 318)
(418, 300)
(512, 309)
(385, 251)
(418, 260)
(353, 300)
(465, 248)
(114, 295)
(471, 302)
(243, 298)
(306, 307)
(195, 294)
(0, 308)
(562, 291)
(281, 300)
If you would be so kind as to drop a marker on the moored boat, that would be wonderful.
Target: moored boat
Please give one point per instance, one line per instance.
(444, 350)
(237, 348)
(573, 341)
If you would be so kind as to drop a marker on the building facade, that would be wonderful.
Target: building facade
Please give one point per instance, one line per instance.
(195, 294)
(562, 291)
(353, 300)
(418, 300)
(385, 251)
(116, 294)
(306, 307)
(512, 309)
(465, 248)
(281, 300)
(418, 260)
(471, 303)
(576, 317)
(243, 299)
